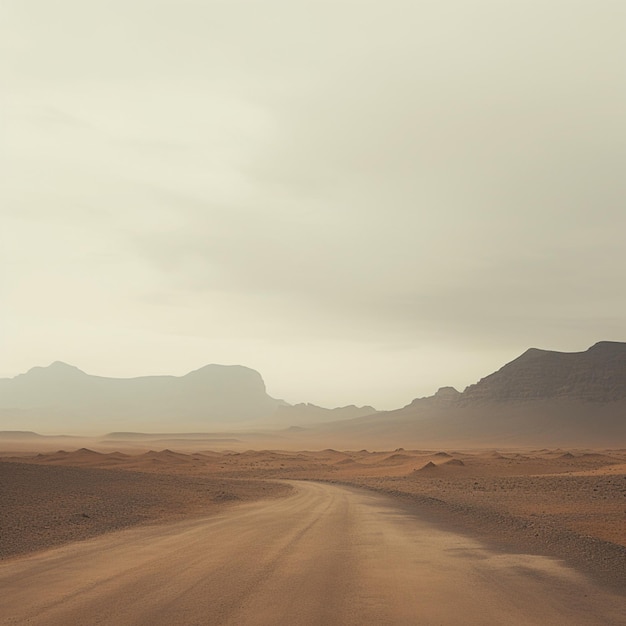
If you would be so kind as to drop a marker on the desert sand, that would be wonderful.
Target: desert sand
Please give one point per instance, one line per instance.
(513, 536)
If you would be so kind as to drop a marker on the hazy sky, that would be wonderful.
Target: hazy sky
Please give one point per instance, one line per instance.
(362, 200)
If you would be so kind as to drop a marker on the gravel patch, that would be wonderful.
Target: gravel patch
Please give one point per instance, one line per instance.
(45, 506)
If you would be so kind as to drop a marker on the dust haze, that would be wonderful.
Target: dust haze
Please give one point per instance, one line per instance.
(312, 312)
(362, 203)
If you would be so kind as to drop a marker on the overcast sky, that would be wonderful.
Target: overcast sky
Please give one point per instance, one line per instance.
(362, 200)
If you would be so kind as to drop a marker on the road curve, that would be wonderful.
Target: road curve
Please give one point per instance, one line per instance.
(325, 555)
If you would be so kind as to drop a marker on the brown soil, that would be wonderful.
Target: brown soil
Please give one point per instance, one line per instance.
(44, 505)
(565, 503)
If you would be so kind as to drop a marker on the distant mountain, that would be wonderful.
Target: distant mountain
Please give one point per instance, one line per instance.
(62, 397)
(309, 414)
(19, 434)
(596, 375)
(542, 397)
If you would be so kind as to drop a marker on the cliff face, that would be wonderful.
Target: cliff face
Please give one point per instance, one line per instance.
(596, 375)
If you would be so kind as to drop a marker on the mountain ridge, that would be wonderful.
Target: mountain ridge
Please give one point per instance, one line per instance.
(540, 394)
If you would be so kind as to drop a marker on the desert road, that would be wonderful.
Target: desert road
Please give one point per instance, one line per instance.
(325, 555)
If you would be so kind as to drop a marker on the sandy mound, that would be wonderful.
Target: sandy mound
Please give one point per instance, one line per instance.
(428, 467)
(397, 458)
(453, 462)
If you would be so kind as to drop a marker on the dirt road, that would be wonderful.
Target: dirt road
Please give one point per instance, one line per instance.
(326, 555)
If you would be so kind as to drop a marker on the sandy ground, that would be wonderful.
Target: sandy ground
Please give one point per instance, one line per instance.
(514, 507)
(47, 505)
(324, 555)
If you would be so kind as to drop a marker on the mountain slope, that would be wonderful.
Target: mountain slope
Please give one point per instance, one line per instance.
(596, 375)
(542, 398)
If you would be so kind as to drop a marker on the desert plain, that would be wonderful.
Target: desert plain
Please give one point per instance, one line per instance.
(192, 535)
